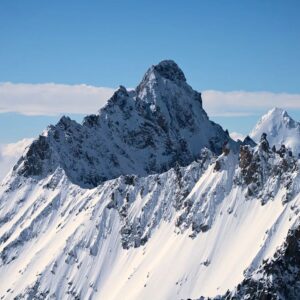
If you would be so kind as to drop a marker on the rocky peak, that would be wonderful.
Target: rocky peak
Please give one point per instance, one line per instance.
(281, 117)
(165, 70)
(248, 141)
(264, 144)
(121, 92)
(278, 112)
(162, 81)
(149, 130)
(64, 121)
(169, 70)
(280, 128)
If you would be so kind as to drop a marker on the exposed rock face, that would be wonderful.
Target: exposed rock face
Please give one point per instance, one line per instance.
(38, 153)
(245, 157)
(170, 70)
(264, 144)
(260, 168)
(248, 141)
(139, 132)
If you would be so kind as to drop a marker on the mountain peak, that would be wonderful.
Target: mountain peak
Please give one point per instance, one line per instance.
(166, 69)
(277, 112)
(148, 130)
(170, 70)
(278, 117)
(280, 128)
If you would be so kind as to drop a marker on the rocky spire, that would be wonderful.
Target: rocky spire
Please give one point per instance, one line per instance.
(264, 144)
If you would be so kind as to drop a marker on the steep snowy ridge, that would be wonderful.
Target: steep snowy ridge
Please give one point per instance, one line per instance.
(150, 200)
(280, 128)
(277, 277)
(121, 238)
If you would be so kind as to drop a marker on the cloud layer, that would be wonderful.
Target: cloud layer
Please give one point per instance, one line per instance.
(51, 98)
(54, 99)
(242, 103)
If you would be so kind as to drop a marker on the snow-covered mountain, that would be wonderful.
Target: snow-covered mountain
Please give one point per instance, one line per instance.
(140, 132)
(280, 129)
(150, 200)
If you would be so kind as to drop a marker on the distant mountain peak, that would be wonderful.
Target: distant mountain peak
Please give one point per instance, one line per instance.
(277, 112)
(280, 129)
(248, 141)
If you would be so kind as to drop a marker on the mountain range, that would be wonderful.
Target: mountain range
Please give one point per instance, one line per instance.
(150, 199)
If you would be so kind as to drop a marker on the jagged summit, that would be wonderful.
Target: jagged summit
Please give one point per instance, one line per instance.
(248, 141)
(166, 69)
(169, 70)
(276, 110)
(161, 79)
(279, 110)
(143, 131)
(280, 129)
(275, 115)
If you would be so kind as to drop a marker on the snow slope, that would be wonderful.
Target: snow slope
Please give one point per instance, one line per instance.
(280, 128)
(83, 215)
(195, 229)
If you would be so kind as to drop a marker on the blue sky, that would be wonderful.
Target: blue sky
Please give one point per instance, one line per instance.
(220, 45)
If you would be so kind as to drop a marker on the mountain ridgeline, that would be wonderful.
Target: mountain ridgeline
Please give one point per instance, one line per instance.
(148, 130)
(149, 199)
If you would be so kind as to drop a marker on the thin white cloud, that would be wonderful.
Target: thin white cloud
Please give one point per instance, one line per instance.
(55, 99)
(52, 98)
(242, 103)
(9, 155)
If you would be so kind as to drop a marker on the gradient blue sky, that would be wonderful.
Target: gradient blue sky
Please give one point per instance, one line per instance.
(220, 45)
